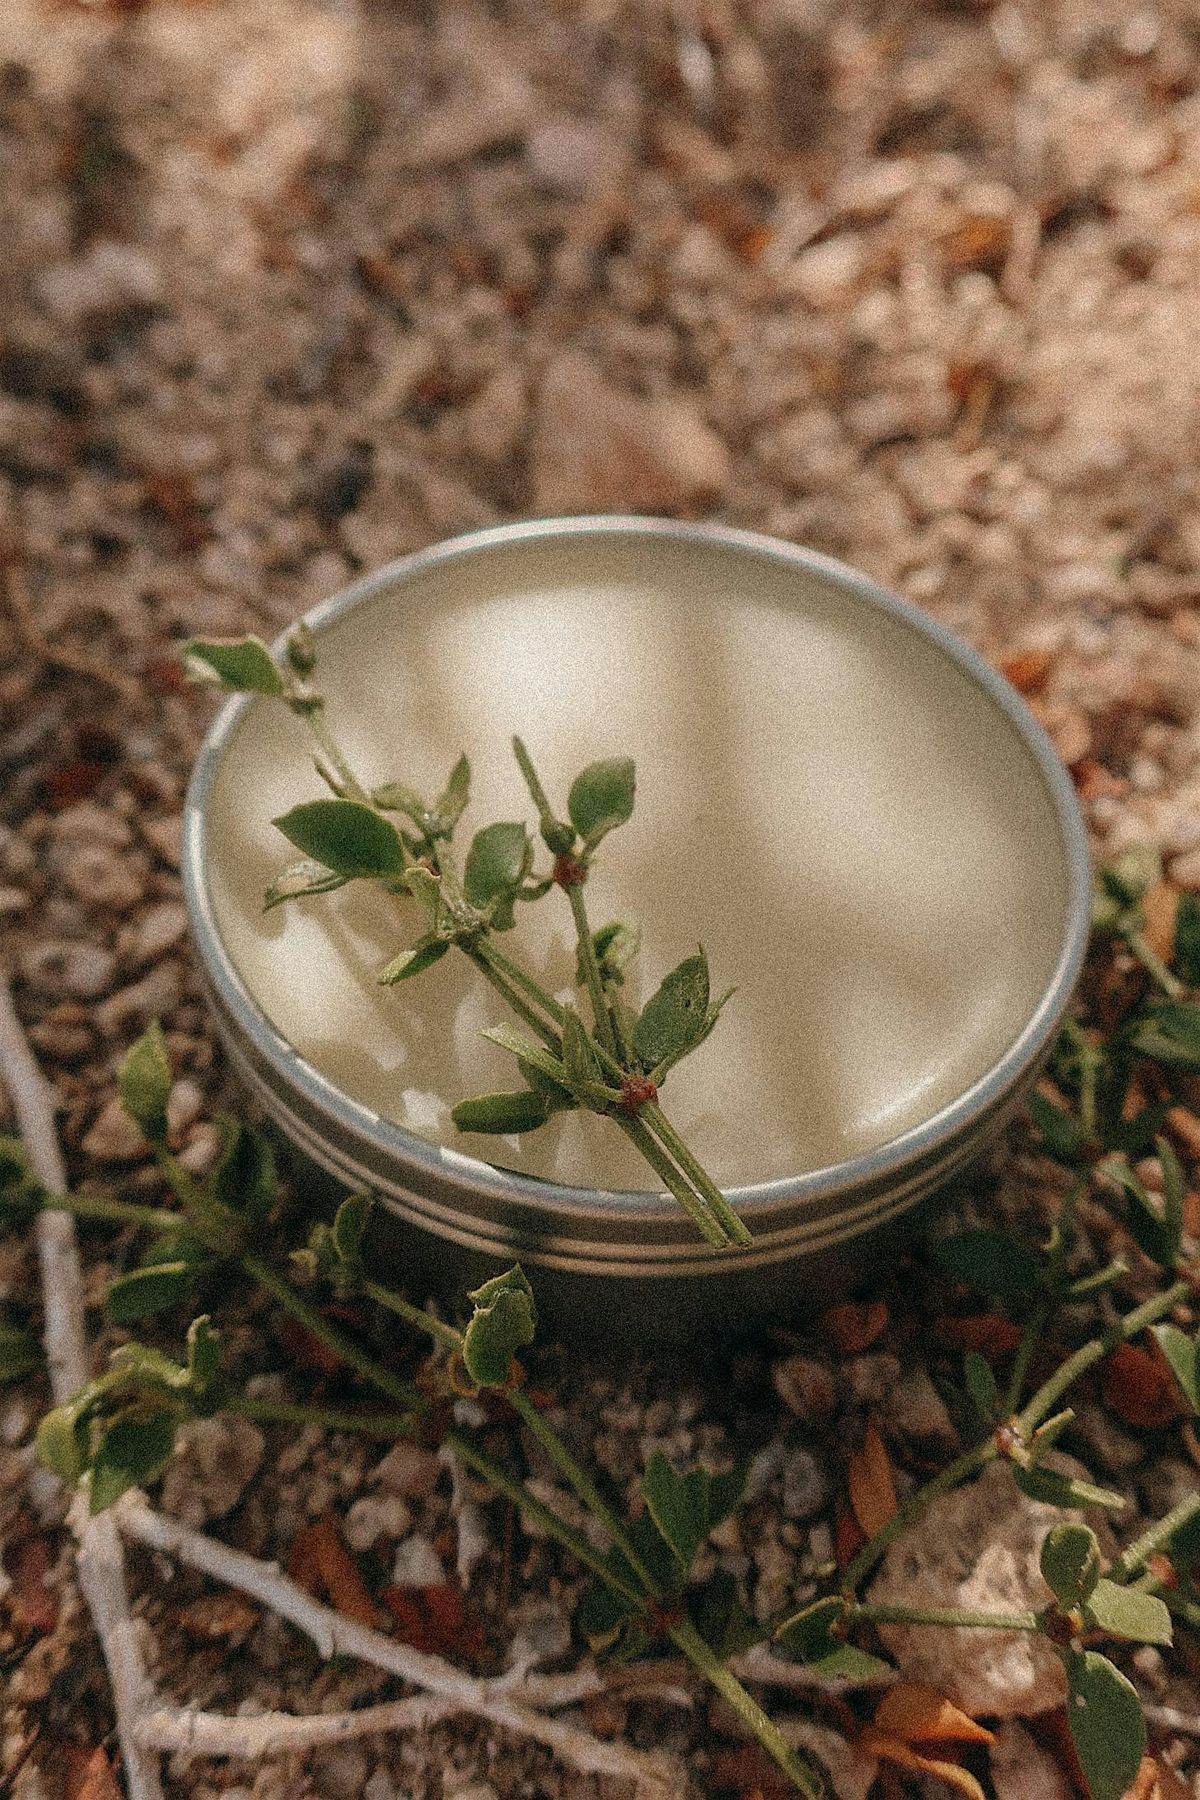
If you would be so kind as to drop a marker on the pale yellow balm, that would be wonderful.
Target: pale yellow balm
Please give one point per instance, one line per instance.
(841, 815)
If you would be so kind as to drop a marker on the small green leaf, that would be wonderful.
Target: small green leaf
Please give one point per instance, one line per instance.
(601, 798)
(497, 863)
(19, 1353)
(678, 1504)
(528, 1053)
(61, 1445)
(579, 1053)
(675, 1018)
(426, 889)
(1150, 1228)
(1104, 1717)
(137, 1366)
(992, 1262)
(395, 796)
(1187, 939)
(1169, 1033)
(452, 801)
(144, 1292)
(134, 1450)
(685, 1508)
(812, 1637)
(504, 1319)
(346, 837)
(1062, 1490)
(1070, 1563)
(203, 1355)
(299, 880)
(414, 961)
(245, 1179)
(243, 665)
(721, 1617)
(1183, 1354)
(1047, 1435)
(350, 1224)
(1129, 1613)
(1062, 1134)
(981, 1385)
(502, 1113)
(615, 944)
(1174, 1194)
(144, 1083)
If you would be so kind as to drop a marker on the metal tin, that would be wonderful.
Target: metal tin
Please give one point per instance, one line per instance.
(631, 1262)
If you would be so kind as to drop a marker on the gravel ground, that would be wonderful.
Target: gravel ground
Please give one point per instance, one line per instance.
(290, 289)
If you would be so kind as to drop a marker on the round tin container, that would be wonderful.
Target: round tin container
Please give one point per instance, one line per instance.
(631, 1263)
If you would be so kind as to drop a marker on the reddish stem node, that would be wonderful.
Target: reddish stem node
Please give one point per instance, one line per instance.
(569, 871)
(636, 1091)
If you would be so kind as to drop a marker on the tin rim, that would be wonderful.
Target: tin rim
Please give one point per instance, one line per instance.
(457, 1174)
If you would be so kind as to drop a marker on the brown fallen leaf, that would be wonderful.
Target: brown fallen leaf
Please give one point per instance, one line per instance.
(891, 1749)
(215, 1618)
(1139, 1387)
(1028, 669)
(92, 1779)
(320, 1562)
(36, 1606)
(989, 1333)
(920, 1715)
(853, 1325)
(1160, 905)
(872, 1484)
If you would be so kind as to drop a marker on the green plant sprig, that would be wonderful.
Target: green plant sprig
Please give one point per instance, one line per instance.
(120, 1430)
(616, 1067)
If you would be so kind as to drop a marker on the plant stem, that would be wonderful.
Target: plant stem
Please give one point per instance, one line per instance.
(314, 712)
(541, 800)
(542, 1430)
(685, 1637)
(1094, 1351)
(478, 954)
(413, 1315)
(114, 1212)
(1153, 1538)
(941, 1615)
(674, 1181)
(331, 1335)
(387, 1427)
(695, 1171)
(513, 1488)
(1024, 1424)
(952, 1476)
(591, 969)
(584, 1486)
(1035, 1324)
(1154, 966)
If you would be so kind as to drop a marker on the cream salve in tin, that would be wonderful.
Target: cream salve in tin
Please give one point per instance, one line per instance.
(844, 818)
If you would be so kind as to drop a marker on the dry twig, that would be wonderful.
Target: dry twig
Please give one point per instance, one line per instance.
(59, 656)
(99, 1560)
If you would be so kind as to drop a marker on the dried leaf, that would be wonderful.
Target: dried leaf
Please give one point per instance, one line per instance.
(216, 1618)
(96, 1780)
(991, 1334)
(320, 1562)
(891, 1749)
(920, 1715)
(28, 1567)
(848, 1536)
(434, 1619)
(1028, 669)
(1160, 906)
(854, 1324)
(1139, 1387)
(872, 1484)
